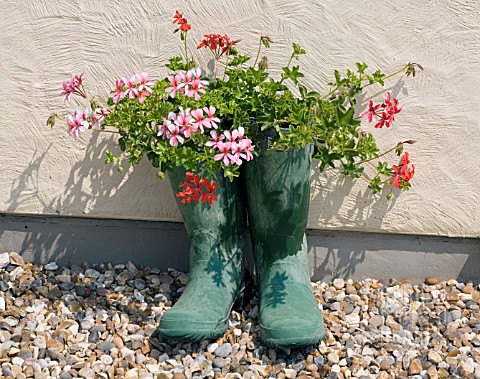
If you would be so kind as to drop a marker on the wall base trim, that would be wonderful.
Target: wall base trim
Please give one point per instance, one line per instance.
(345, 254)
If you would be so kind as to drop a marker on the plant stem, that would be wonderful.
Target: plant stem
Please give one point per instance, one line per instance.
(226, 66)
(258, 53)
(381, 155)
(216, 69)
(288, 66)
(368, 84)
(185, 46)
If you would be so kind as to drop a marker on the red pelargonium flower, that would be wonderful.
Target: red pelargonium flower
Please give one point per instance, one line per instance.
(371, 113)
(181, 21)
(403, 173)
(217, 44)
(195, 189)
(388, 113)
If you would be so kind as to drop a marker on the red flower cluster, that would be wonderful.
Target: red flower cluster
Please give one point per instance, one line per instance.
(388, 114)
(218, 44)
(182, 21)
(192, 190)
(403, 173)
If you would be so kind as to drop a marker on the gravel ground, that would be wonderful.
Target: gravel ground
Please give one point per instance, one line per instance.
(98, 321)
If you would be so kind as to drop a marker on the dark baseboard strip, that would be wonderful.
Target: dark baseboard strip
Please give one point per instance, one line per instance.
(346, 254)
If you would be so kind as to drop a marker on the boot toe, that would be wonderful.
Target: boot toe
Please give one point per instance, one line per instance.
(294, 321)
(191, 325)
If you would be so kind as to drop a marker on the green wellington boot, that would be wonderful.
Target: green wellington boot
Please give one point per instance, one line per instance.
(278, 193)
(216, 277)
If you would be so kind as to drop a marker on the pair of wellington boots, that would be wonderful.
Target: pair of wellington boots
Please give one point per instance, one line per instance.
(277, 188)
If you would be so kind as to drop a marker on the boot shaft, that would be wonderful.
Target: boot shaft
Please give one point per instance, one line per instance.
(278, 193)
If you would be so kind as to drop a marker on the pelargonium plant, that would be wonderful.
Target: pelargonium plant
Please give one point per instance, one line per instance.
(212, 124)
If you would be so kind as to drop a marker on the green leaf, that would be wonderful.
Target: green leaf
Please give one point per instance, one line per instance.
(238, 60)
(297, 49)
(361, 67)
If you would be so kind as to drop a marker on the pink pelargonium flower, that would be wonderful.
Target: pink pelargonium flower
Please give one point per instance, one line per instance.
(247, 148)
(144, 85)
(371, 113)
(196, 74)
(210, 120)
(132, 90)
(225, 149)
(163, 128)
(175, 137)
(185, 122)
(77, 123)
(242, 147)
(199, 122)
(236, 153)
(194, 88)
(177, 85)
(73, 86)
(95, 117)
(119, 93)
(216, 139)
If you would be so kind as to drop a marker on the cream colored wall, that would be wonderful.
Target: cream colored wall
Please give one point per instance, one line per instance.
(43, 171)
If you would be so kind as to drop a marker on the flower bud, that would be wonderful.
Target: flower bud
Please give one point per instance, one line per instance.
(263, 64)
(51, 120)
(266, 41)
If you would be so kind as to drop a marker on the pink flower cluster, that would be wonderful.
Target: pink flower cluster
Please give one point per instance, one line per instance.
(82, 120)
(389, 110)
(137, 86)
(232, 147)
(73, 86)
(189, 83)
(186, 123)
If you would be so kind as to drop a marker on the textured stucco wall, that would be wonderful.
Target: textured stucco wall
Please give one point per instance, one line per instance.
(43, 171)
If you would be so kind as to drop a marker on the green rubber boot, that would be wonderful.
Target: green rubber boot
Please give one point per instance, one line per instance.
(278, 193)
(216, 277)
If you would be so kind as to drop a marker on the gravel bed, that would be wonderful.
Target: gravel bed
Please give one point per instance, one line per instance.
(99, 321)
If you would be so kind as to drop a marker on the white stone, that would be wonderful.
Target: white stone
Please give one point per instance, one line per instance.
(4, 260)
(338, 283)
(52, 266)
(290, 373)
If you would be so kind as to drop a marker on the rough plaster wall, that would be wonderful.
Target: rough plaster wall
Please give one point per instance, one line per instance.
(43, 41)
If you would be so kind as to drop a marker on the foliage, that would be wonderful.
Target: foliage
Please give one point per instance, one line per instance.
(210, 125)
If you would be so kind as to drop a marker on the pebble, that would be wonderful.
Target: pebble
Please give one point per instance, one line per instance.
(223, 350)
(90, 321)
(52, 266)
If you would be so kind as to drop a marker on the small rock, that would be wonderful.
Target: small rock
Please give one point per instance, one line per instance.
(434, 357)
(432, 372)
(290, 373)
(87, 373)
(432, 280)
(415, 366)
(52, 266)
(224, 350)
(338, 283)
(333, 358)
(4, 260)
(105, 346)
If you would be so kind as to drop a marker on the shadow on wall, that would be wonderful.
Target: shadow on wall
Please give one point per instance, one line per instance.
(360, 255)
(89, 184)
(329, 192)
